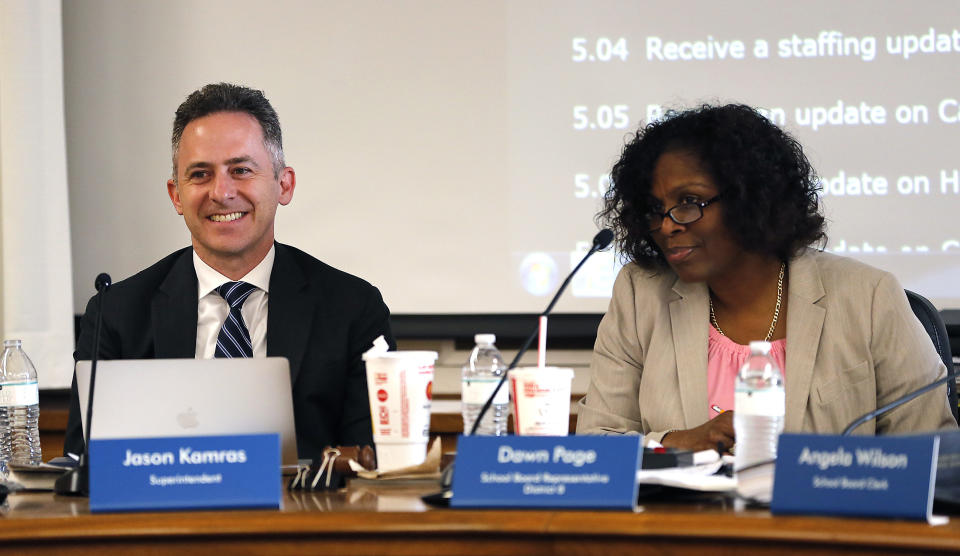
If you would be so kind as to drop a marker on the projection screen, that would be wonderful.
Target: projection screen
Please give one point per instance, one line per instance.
(455, 153)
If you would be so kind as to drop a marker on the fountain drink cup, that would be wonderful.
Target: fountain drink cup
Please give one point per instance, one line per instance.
(400, 384)
(541, 400)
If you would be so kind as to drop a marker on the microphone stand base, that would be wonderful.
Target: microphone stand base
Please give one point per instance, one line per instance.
(75, 482)
(442, 499)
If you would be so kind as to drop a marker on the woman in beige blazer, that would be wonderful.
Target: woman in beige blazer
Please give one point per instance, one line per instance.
(716, 208)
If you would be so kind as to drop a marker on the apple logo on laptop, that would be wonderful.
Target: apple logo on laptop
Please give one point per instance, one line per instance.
(188, 419)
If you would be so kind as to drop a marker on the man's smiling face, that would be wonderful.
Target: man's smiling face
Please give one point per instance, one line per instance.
(227, 190)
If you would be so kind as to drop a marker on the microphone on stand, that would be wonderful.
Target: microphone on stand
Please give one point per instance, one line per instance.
(76, 482)
(947, 487)
(898, 402)
(600, 242)
(442, 498)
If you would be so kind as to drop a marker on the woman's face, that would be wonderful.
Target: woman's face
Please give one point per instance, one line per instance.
(701, 251)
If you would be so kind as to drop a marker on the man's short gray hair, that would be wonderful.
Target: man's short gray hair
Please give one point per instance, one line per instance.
(226, 97)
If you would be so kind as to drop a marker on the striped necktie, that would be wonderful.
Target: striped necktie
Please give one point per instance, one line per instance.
(234, 339)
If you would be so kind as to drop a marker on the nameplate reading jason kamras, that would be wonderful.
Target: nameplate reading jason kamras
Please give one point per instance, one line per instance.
(185, 472)
(881, 476)
(546, 472)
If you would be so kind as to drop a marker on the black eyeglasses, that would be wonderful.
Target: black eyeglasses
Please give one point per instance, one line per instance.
(684, 213)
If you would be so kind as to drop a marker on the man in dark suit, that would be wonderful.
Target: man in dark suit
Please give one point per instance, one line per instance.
(229, 179)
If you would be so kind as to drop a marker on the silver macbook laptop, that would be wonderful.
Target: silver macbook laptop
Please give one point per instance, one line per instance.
(138, 398)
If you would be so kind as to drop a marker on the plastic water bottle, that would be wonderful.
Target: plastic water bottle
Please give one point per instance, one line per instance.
(19, 407)
(480, 376)
(758, 408)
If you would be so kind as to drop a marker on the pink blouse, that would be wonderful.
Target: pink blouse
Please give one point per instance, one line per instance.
(724, 358)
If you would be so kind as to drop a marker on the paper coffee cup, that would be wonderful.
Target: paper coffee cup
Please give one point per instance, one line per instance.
(541, 400)
(400, 385)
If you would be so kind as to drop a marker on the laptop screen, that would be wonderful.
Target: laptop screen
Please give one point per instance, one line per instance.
(142, 398)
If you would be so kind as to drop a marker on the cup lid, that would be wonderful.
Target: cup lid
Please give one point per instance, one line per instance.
(550, 371)
(431, 355)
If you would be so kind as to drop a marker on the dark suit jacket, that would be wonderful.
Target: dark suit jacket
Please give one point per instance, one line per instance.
(319, 318)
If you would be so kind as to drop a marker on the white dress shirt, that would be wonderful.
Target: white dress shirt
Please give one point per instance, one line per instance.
(212, 309)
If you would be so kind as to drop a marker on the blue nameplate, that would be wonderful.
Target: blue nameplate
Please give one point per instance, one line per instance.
(185, 472)
(546, 472)
(881, 476)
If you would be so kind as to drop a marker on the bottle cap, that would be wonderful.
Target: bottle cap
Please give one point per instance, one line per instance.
(759, 346)
(485, 339)
(11, 343)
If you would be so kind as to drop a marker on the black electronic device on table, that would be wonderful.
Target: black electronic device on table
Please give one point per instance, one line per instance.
(76, 482)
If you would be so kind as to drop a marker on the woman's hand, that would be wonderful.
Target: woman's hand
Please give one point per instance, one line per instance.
(708, 436)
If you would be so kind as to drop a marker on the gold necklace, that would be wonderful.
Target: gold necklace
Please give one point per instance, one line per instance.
(776, 310)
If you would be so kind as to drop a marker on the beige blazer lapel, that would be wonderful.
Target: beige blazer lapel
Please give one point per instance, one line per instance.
(804, 324)
(688, 320)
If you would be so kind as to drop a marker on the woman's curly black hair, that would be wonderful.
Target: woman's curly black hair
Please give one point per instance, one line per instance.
(769, 188)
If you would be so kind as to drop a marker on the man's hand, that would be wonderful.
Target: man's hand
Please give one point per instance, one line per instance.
(708, 436)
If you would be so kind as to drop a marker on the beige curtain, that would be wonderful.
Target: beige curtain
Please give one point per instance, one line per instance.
(35, 268)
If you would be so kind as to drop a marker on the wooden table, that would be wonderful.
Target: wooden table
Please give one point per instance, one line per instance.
(393, 520)
(446, 421)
